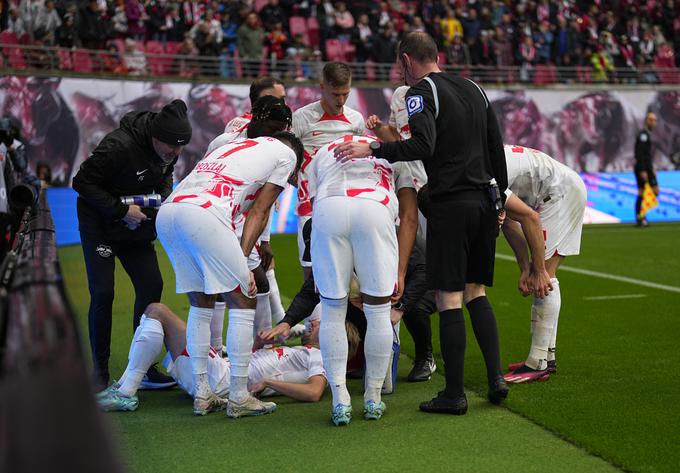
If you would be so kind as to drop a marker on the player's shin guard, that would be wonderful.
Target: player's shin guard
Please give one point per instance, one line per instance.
(217, 326)
(333, 342)
(377, 348)
(278, 312)
(263, 313)
(239, 348)
(553, 340)
(146, 346)
(198, 346)
(545, 313)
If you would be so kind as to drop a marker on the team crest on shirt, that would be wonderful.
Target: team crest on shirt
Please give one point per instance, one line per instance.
(414, 104)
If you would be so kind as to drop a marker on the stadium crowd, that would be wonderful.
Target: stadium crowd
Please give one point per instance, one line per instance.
(602, 35)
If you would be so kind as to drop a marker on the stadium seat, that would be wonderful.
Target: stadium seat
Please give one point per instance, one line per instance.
(65, 62)
(7, 37)
(313, 31)
(369, 68)
(441, 57)
(14, 56)
(298, 25)
(545, 74)
(334, 50)
(350, 52)
(82, 61)
(584, 74)
(159, 64)
(259, 4)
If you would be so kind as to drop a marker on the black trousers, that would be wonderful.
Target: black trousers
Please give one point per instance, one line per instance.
(140, 263)
(417, 321)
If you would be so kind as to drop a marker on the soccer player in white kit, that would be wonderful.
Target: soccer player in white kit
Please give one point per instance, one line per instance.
(355, 211)
(557, 194)
(317, 124)
(296, 372)
(196, 227)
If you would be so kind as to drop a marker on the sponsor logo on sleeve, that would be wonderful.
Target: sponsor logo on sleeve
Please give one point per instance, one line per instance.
(414, 105)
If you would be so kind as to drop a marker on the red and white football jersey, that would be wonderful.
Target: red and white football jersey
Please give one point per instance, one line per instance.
(374, 178)
(227, 180)
(399, 120)
(535, 177)
(289, 364)
(315, 128)
(238, 124)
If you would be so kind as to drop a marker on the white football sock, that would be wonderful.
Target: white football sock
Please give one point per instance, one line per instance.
(146, 346)
(198, 346)
(239, 349)
(553, 340)
(217, 326)
(333, 342)
(544, 313)
(377, 348)
(263, 313)
(278, 312)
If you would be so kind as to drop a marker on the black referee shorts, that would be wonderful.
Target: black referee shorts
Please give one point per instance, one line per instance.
(461, 243)
(651, 175)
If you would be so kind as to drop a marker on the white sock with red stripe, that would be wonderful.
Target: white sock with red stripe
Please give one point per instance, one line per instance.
(145, 347)
(263, 313)
(553, 340)
(377, 348)
(239, 349)
(333, 342)
(278, 312)
(198, 346)
(217, 326)
(544, 314)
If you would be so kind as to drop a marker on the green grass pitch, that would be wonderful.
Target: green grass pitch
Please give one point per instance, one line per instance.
(613, 403)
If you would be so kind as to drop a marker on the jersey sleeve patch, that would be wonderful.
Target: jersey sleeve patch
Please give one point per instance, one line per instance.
(414, 104)
(643, 137)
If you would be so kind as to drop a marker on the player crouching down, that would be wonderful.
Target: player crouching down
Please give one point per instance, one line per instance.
(296, 372)
(355, 208)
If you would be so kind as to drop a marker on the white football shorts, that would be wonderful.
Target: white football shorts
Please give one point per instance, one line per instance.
(205, 254)
(219, 371)
(353, 234)
(562, 220)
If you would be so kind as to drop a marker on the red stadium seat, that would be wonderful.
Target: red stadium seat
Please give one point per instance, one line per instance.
(584, 74)
(7, 37)
(65, 62)
(15, 56)
(369, 67)
(334, 50)
(441, 58)
(82, 61)
(158, 64)
(259, 4)
(350, 52)
(313, 31)
(298, 25)
(545, 74)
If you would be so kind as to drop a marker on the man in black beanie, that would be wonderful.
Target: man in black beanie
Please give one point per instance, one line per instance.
(138, 158)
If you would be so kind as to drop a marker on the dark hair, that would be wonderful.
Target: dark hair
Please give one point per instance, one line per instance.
(261, 84)
(270, 115)
(295, 144)
(337, 74)
(419, 46)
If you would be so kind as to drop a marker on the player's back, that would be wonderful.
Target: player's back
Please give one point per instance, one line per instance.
(238, 124)
(290, 364)
(534, 176)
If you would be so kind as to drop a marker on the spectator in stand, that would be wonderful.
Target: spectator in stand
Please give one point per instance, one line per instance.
(472, 26)
(276, 40)
(647, 48)
(487, 55)
(157, 26)
(207, 36)
(527, 59)
(563, 41)
(112, 62)
(418, 25)
(384, 16)
(15, 24)
(271, 14)
(344, 21)
(191, 12)
(361, 38)
(250, 44)
(451, 27)
(38, 57)
(634, 32)
(498, 10)
(384, 48)
(90, 30)
(176, 27)
(543, 39)
(602, 64)
(136, 19)
(48, 20)
(229, 34)
(502, 48)
(27, 11)
(485, 23)
(435, 30)
(67, 34)
(626, 60)
(135, 59)
(119, 22)
(457, 52)
(186, 64)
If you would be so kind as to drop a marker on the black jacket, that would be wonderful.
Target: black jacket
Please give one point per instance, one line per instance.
(124, 163)
(643, 152)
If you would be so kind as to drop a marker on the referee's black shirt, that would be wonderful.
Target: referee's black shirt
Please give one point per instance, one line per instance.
(461, 145)
(643, 151)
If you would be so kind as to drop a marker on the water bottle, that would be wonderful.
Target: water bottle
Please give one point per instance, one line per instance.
(145, 200)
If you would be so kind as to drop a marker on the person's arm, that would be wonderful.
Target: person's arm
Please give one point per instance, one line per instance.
(382, 130)
(311, 391)
(496, 152)
(416, 279)
(513, 234)
(539, 280)
(406, 236)
(258, 216)
(165, 186)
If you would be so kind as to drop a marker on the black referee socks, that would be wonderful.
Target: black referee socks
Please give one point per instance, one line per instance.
(484, 325)
(452, 341)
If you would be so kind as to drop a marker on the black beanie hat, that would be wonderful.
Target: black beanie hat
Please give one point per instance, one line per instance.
(171, 125)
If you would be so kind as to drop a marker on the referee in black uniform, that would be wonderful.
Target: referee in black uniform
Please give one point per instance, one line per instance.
(644, 165)
(455, 133)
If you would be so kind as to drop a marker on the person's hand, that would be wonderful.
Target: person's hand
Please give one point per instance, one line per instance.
(256, 388)
(523, 285)
(266, 254)
(644, 176)
(357, 302)
(351, 150)
(282, 330)
(134, 217)
(539, 282)
(399, 291)
(396, 315)
(252, 287)
(501, 218)
(374, 122)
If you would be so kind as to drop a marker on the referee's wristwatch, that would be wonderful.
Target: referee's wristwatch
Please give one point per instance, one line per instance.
(375, 146)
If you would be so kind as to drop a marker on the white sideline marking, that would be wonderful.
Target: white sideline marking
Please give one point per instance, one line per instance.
(619, 296)
(598, 274)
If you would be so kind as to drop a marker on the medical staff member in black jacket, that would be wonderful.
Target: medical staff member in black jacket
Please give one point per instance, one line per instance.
(135, 159)
(455, 133)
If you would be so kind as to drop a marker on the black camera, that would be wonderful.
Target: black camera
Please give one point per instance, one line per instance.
(8, 131)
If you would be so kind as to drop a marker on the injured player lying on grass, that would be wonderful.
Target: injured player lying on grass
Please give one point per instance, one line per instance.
(296, 372)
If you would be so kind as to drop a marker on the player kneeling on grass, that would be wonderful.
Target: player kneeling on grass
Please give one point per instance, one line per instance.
(296, 372)
(557, 196)
(196, 226)
(355, 207)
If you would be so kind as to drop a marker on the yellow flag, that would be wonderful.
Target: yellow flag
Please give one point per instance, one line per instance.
(649, 200)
